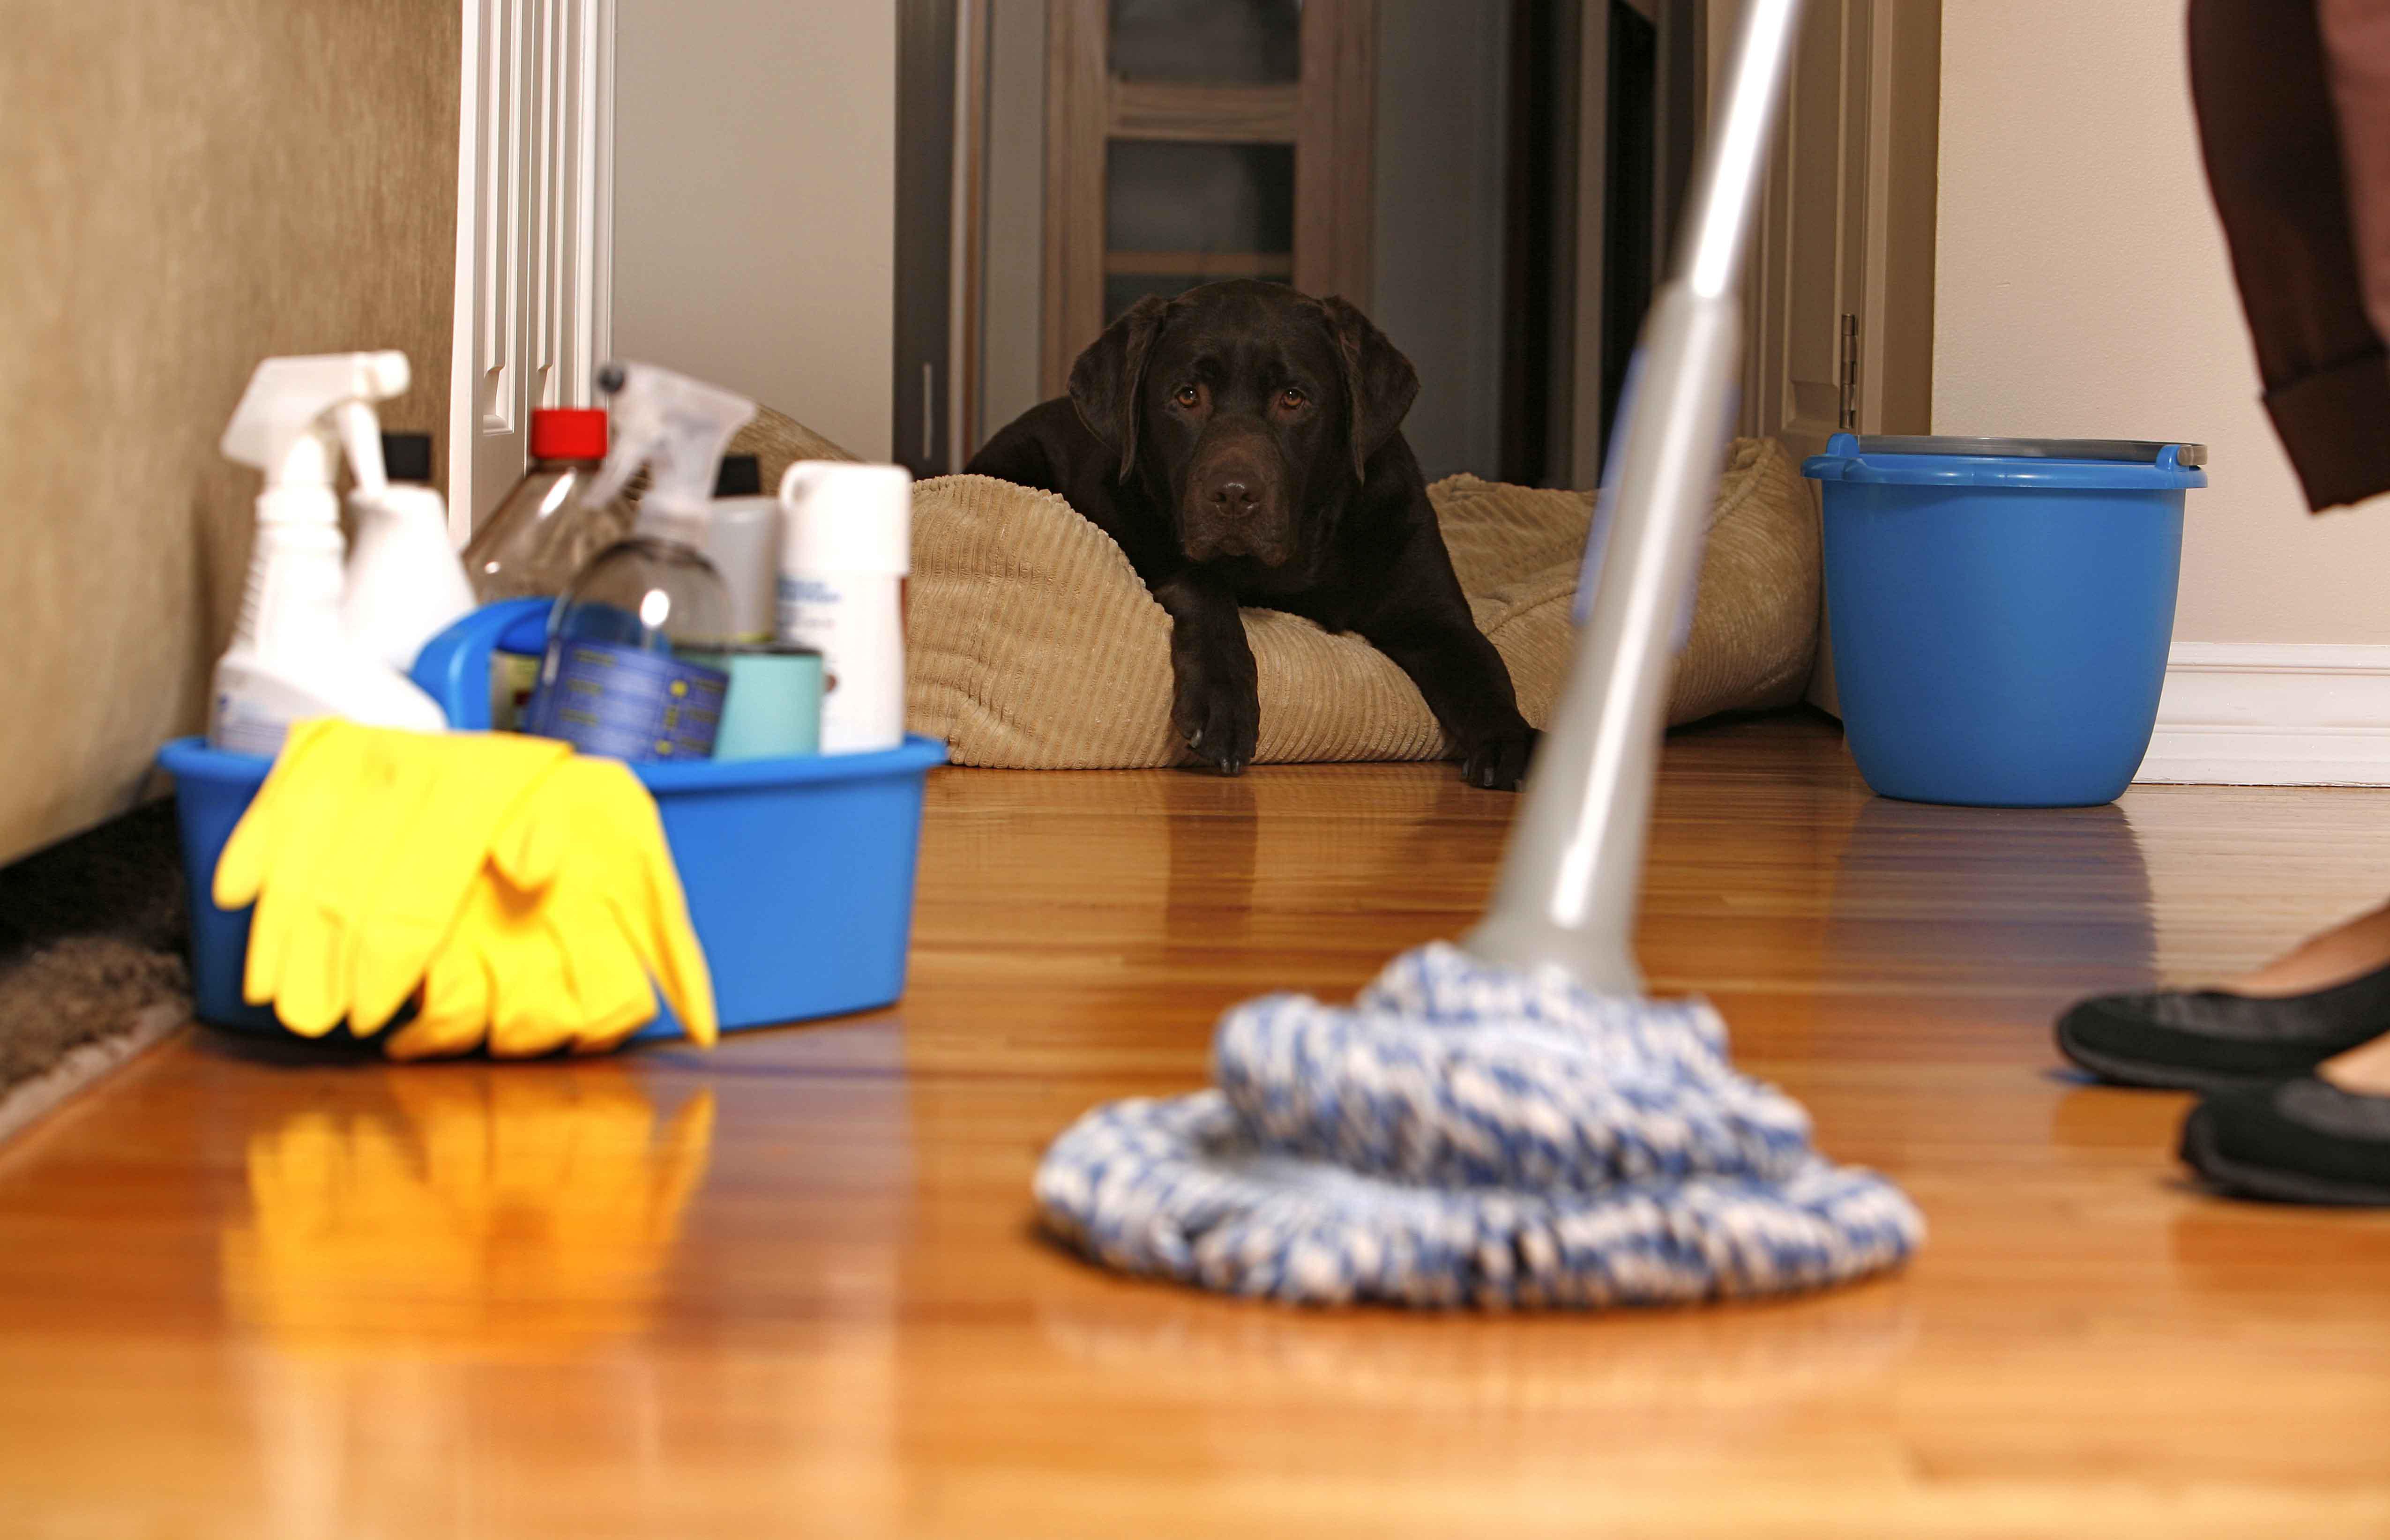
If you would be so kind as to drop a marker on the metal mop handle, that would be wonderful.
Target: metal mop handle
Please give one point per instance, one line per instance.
(1575, 866)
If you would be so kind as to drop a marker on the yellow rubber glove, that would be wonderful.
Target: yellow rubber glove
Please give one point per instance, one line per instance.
(532, 970)
(358, 853)
(293, 816)
(613, 865)
(528, 973)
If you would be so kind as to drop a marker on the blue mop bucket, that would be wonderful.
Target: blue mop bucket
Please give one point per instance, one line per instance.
(799, 871)
(2000, 610)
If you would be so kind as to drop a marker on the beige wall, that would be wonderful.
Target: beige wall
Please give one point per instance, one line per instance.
(755, 202)
(188, 186)
(2083, 290)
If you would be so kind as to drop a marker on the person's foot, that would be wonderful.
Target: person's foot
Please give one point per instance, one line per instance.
(2309, 1140)
(2364, 1070)
(2347, 951)
(2328, 996)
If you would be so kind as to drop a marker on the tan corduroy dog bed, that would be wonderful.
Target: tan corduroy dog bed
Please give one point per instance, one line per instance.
(1031, 643)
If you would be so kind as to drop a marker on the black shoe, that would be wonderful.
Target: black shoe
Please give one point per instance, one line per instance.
(2207, 1040)
(2297, 1141)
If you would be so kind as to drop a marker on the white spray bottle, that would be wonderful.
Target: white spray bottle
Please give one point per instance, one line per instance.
(406, 584)
(291, 658)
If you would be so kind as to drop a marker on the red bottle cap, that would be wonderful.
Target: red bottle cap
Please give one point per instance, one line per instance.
(562, 433)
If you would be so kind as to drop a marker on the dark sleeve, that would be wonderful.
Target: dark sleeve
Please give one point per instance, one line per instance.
(2272, 146)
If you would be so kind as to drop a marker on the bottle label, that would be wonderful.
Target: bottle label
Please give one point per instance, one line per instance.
(240, 728)
(850, 620)
(627, 703)
(808, 612)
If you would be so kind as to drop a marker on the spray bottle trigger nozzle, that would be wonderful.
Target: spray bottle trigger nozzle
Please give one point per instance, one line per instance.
(360, 432)
(294, 409)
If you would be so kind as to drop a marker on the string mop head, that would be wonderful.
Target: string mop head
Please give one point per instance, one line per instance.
(1471, 1134)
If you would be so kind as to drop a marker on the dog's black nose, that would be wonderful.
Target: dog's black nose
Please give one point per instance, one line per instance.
(1232, 496)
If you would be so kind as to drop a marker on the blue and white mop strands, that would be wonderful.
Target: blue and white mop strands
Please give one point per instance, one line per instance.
(1466, 1133)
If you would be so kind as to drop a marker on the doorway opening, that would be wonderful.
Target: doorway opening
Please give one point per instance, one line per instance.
(1493, 185)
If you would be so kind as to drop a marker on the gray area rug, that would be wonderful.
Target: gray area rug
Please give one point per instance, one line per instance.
(92, 935)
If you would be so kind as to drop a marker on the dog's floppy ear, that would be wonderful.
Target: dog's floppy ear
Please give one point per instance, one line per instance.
(1105, 380)
(1380, 383)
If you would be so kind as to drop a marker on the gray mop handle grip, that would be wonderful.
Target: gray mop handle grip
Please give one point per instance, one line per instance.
(1575, 862)
(1573, 869)
(1709, 258)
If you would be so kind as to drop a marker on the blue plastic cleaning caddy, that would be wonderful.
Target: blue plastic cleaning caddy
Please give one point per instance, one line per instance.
(799, 871)
(2000, 610)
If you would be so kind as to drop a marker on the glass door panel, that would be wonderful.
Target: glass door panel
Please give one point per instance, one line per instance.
(1178, 214)
(1207, 42)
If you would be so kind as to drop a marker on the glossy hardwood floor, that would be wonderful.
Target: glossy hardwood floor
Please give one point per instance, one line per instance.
(793, 1287)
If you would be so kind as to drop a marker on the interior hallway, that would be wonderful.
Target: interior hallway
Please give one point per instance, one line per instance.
(792, 1287)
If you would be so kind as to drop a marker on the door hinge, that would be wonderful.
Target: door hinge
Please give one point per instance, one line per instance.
(1847, 376)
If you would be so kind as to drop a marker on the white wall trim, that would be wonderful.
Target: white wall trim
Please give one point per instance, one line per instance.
(535, 290)
(2274, 714)
(586, 333)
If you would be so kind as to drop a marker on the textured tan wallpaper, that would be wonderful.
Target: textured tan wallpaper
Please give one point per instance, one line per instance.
(186, 187)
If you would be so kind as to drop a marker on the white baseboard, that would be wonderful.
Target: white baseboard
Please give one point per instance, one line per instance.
(2274, 714)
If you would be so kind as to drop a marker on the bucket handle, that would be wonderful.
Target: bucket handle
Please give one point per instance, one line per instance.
(453, 667)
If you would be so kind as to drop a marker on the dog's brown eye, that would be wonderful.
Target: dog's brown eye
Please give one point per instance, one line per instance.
(1188, 397)
(1291, 398)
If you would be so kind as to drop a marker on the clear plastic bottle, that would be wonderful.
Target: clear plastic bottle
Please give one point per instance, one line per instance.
(540, 534)
(631, 641)
(652, 590)
(545, 531)
(629, 647)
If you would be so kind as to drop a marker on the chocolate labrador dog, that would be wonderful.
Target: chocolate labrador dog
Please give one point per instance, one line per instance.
(1241, 444)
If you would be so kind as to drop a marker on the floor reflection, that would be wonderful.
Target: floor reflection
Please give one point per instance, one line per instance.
(1492, 1393)
(1707, 1359)
(1214, 858)
(480, 1210)
(1971, 901)
(457, 1273)
(2258, 1262)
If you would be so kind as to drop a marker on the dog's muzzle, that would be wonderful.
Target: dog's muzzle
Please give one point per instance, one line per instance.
(1232, 509)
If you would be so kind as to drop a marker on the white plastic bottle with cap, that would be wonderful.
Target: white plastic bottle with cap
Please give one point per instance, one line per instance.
(406, 584)
(846, 550)
(290, 657)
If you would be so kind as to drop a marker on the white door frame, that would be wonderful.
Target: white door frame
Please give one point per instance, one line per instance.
(535, 282)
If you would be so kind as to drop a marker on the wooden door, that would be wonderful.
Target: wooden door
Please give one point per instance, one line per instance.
(1839, 298)
(1808, 249)
(1296, 107)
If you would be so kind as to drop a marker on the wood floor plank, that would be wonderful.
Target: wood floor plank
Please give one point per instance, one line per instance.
(792, 1286)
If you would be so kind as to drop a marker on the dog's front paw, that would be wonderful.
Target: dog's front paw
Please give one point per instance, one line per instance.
(1219, 719)
(1500, 762)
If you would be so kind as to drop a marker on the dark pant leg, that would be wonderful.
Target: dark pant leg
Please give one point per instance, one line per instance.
(2274, 162)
